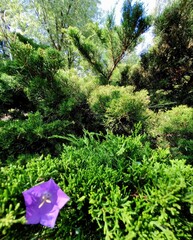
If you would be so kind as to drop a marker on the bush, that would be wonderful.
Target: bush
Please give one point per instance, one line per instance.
(119, 188)
(39, 99)
(119, 108)
(174, 128)
(31, 135)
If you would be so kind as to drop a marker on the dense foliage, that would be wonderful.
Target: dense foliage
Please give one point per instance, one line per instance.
(168, 65)
(174, 128)
(119, 188)
(113, 129)
(120, 108)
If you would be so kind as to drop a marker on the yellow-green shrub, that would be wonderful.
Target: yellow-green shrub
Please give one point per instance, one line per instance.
(119, 108)
(174, 128)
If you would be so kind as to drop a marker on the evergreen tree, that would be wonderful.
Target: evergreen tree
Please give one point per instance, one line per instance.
(168, 65)
(105, 47)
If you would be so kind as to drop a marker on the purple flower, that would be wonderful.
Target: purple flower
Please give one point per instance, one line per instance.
(43, 203)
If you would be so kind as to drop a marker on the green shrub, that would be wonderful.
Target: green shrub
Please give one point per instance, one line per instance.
(174, 128)
(120, 108)
(31, 135)
(119, 188)
(154, 211)
(36, 76)
(39, 99)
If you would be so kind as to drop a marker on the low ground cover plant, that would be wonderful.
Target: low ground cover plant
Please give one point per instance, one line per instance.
(119, 188)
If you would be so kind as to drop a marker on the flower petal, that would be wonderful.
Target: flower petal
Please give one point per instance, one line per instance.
(32, 215)
(62, 198)
(49, 219)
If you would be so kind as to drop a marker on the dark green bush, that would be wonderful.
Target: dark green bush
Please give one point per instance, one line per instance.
(167, 65)
(38, 100)
(36, 76)
(119, 188)
(31, 135)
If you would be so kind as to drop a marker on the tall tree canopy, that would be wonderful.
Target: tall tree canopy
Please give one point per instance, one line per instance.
(45, 20)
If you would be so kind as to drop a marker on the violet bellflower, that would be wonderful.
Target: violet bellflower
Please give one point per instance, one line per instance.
(43, 203)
